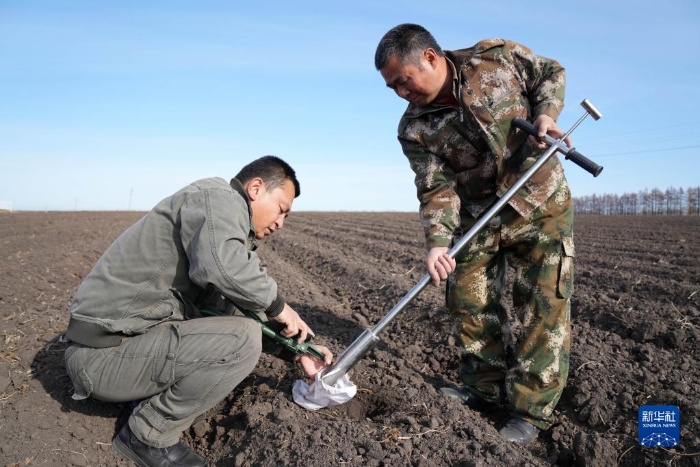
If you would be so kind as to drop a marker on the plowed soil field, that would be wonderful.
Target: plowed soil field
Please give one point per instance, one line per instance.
(635, 342)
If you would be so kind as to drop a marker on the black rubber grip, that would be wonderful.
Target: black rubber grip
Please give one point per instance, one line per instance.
(572, 154)
(526, 126)
(585, 163)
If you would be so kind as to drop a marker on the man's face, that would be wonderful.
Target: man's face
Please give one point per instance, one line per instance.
(269, 207)
(417, 83)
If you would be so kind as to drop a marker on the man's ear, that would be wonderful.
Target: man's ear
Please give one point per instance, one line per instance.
(431, 57)
(254, 188)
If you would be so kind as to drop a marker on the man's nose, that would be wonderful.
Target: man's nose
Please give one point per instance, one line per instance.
(279, 222)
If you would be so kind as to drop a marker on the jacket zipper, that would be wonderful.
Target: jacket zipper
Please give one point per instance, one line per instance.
(459, 96)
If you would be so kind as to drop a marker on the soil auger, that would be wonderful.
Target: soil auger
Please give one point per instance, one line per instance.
(369, 338)
(290, 343)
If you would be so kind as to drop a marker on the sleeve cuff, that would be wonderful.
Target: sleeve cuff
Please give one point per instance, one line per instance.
(433, 242)
(549, 109)
(276, 307)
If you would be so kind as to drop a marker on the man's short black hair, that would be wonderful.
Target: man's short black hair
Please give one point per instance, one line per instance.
(405, 42)
(273, 171)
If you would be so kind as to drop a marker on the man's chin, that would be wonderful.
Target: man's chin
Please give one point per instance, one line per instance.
(420, 101)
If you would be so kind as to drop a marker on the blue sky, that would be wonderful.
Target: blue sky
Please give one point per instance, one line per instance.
(115, 105)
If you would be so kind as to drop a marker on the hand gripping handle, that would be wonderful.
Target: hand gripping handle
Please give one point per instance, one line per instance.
(570, 153)
(289, 343)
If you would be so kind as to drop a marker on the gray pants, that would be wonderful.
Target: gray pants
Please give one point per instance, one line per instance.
(180, 370)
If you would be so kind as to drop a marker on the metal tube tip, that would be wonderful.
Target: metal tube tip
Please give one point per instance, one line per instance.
(592, 111)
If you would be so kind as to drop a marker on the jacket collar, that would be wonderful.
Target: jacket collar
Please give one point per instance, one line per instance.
(457, 60)
(238, 187)
(456, 77)
(454, 62)
(460, 57)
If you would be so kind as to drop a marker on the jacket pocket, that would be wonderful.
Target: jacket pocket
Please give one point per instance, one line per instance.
(565, 284)
(511, 96)
(168, 346)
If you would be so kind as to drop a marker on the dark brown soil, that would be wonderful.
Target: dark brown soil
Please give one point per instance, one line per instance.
(636, 341)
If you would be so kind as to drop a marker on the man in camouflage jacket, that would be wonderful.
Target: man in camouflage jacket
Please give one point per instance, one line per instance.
(458, 136)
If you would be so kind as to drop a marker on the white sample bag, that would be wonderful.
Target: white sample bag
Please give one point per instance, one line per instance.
(318, 394)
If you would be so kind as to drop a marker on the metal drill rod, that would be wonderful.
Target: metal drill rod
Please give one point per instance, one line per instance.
(369, 337)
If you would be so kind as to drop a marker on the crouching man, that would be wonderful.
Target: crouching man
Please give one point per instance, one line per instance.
(132, 329)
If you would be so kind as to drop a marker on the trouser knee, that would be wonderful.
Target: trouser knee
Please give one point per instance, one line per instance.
(251, 346)
(223, 345)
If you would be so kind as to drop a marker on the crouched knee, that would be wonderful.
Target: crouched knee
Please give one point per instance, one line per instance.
(249, 335)
(221, 340)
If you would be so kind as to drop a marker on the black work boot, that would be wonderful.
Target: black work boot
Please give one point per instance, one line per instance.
(127, 409)
(518, 431)
(129, 447)
(465, 396)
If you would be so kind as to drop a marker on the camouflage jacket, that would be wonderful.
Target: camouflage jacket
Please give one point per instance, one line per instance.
(466, 156)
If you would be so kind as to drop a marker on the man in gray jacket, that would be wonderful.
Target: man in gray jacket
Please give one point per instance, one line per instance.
(132, 335)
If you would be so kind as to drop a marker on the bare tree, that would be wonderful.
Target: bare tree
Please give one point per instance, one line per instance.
(673, 201)
(693, 196)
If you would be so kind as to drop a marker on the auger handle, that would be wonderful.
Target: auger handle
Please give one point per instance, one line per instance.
(569, 153)
(585, 163)
(288, 342)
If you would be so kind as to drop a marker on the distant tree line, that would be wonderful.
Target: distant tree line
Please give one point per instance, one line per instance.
(672, 201)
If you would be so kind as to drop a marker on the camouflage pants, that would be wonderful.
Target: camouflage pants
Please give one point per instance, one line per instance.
(521, 356)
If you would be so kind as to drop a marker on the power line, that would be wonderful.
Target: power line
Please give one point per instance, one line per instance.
(652, 134)
(647, 151)
(653, 129)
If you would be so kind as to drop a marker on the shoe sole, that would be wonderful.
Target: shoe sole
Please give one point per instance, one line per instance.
(454, 394)
(519, 434)
(473, 402)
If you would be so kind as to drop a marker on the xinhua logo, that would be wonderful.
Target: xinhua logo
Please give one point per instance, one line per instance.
(659, 425)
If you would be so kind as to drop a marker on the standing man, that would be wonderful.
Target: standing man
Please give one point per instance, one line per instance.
(458, 136)
(131, 327)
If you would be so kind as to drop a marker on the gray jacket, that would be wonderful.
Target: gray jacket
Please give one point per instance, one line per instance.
(199, 240)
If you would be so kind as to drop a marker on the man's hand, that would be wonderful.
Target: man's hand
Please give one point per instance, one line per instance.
(293, 324)
(313, 365)
(439, 264)
(547, 126)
